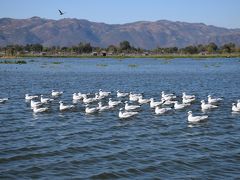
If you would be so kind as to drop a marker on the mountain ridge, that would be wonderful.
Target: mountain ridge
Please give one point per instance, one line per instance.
(143, 34)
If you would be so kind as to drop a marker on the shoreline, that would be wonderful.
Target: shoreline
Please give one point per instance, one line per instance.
(126, 56)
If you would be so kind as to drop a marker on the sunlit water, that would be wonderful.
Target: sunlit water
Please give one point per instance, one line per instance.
(65, 145)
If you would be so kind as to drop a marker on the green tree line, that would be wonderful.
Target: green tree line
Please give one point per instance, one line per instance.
(123, 47)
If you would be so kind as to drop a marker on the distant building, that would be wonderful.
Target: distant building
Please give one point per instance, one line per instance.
(2, 53)
(103, 53)
(43, 53)
(110, 53)
(203, 53)
(94, 53)
(145, 53)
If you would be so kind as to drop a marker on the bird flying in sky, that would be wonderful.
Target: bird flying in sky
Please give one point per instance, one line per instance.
(61, 13)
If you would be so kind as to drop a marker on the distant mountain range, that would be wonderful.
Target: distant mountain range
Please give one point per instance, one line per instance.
(143, 34)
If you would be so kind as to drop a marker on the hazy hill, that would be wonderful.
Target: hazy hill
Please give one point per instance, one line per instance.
(144, 34)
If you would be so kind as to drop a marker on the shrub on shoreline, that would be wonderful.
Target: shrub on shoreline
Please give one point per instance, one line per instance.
(13, 62)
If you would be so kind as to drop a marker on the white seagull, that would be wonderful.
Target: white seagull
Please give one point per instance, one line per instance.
(185, 96)
(82, 95)
(3, 100)
(235, 108)
(205, 106)
(28, 97)
(35, 104)
(159, 110)
(89, 100)
(45, 100)
(76, 96)
(103, 108)
(134, 97)
(187, 101)
(153, 103)
(104, 93)
(126, 114)
(238, 103)
(89, 110)
(195, 119)
(56, 93)
(63, 107)
(168, 96)
(113, 103)
(180, 106)
(143, 101)
(213, 100)
(121, 94)
(39, 110)
(167, 102)
(131, 107)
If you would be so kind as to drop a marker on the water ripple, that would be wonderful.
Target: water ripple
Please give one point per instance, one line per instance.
(73, 145)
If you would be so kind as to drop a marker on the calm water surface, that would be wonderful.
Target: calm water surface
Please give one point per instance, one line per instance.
(66, 145)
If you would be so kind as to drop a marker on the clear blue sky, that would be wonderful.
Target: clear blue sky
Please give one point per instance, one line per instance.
(223, 13)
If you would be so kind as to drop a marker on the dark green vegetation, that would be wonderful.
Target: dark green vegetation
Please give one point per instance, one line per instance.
(133, 65)
(13, 62)
(123, 50)
(56, 62)
(102, 65)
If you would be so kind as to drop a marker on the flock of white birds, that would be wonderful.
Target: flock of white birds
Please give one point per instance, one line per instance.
(132, 103)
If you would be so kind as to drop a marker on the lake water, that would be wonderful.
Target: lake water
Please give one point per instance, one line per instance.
(68, 145)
